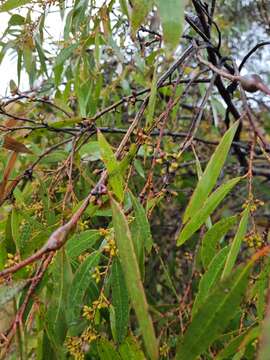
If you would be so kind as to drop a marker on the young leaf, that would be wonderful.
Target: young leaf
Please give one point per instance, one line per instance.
(209, 206)
(211, 174)
(79, 285)
(236, 244)
(133, 279)
(214, 314)
(210, 277)
(172, 20)
(119, 301)
(212, 237)
(112, 166)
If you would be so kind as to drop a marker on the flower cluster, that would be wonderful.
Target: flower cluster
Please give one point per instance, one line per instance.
(253, 204)
(89, 312)
(164, 350)
(77, 346)
(254, 240)
(12, 259)
(110, 248)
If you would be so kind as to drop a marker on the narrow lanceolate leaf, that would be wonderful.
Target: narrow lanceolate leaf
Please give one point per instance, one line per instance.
(13, 4)
(120, 301)
(79, 285)
(214, 314)
(209, 279)
(65, 54)
(133, 279)
(212, 237)
(140, 9)
(152, 100)
(81, 242)
(7, 292)
(172, 20)
(209, 206)
(211, 174)
(236, 244)
(112, 166)
(142, 224)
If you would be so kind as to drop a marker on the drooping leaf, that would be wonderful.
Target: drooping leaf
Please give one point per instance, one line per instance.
(236, 244)
(211, 174)
(133, 279)
(212, 237)
(120, 301)
(152, 100)
(222, 303)
(172, 20)
(65, 54)
(144, 235)
(209, 206)
(115, 178)
(209, 279)
(140, 9)
(79, 285)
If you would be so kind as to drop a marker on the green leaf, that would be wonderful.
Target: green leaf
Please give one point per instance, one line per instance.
(13, 4)
(140, 9)
(106, 350)
(152, 100)
(133, 279)
(119, 301)
(211, 174)
(237, 343)
(144, 236)
(236, 244)
(28, 59)
(15, 227)
(79, 285)
(16, 19)
(212, 237)
(65, 54)
(172, 20)
(7, 292)
(55, 316)
(90, 151)
(130, 350)
(81, 242)
(115, 178)
(210, 278)
(214, 314)
(209, 206)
